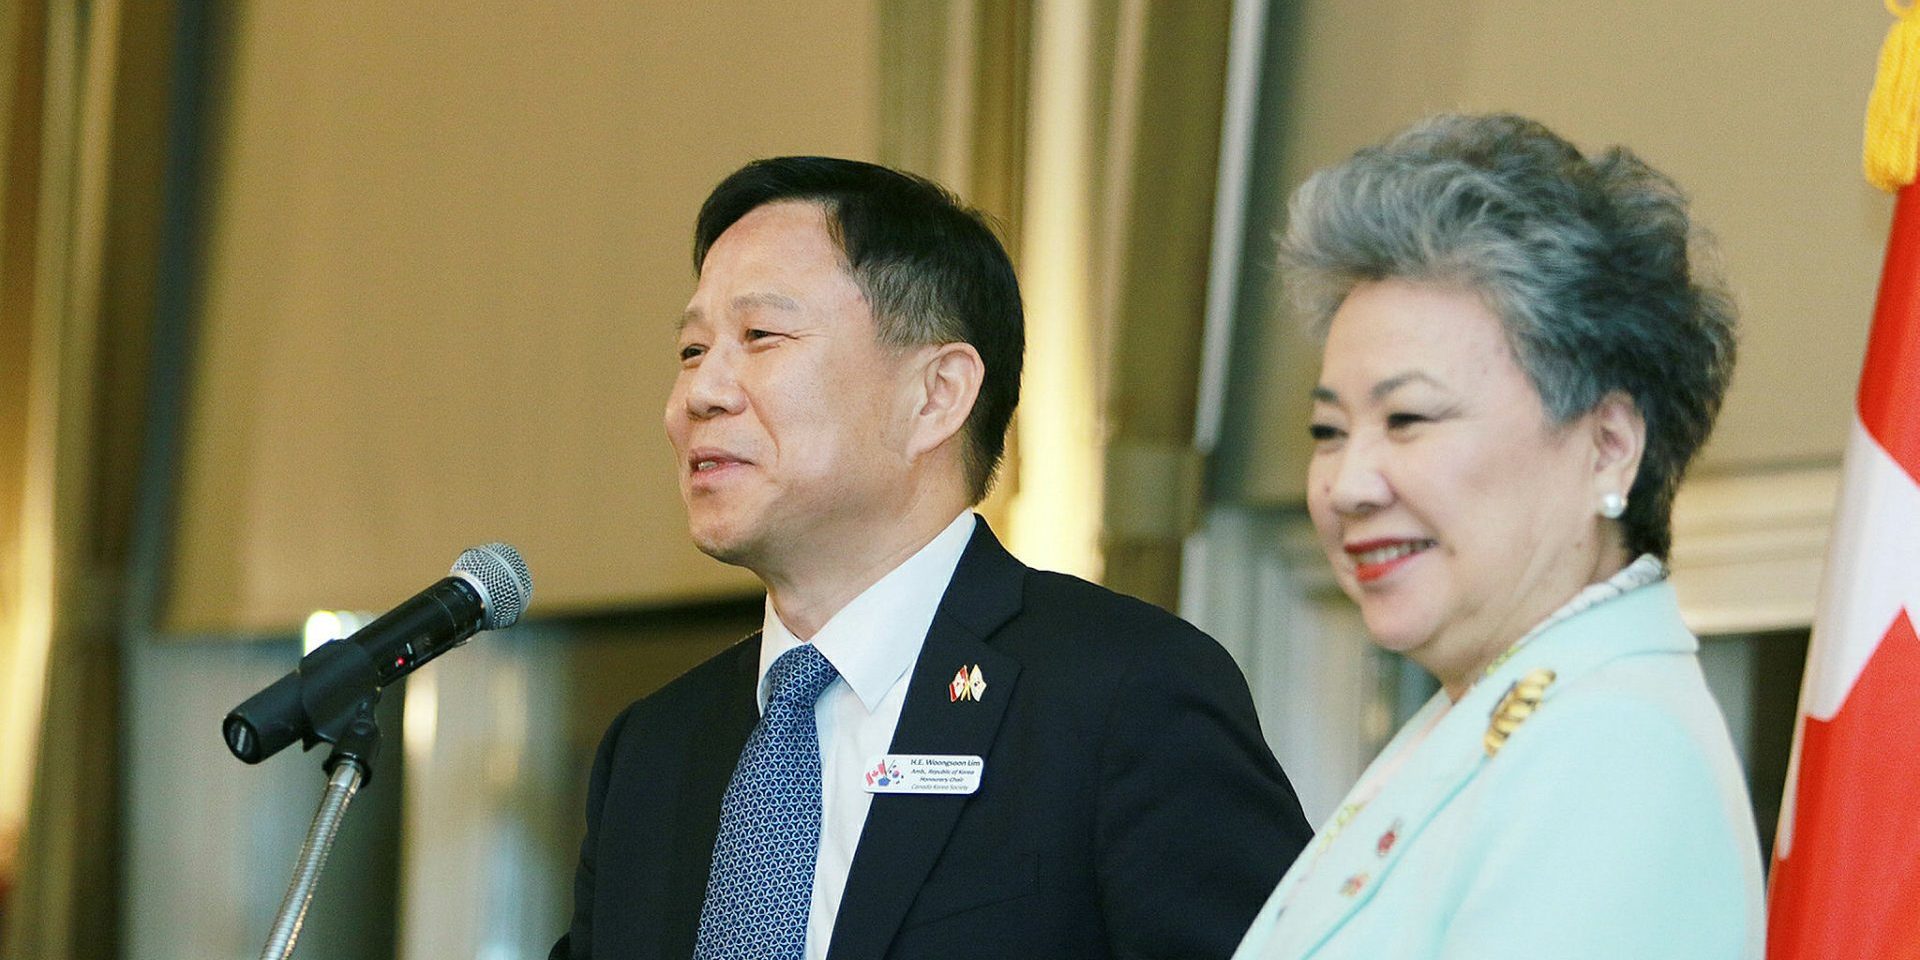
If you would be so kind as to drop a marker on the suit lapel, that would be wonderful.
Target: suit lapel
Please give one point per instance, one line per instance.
(1359, 858)
(1366, 848)
(905, 833)
(710, 760)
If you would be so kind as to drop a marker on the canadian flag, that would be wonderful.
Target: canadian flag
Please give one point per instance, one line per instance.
(1846, 871)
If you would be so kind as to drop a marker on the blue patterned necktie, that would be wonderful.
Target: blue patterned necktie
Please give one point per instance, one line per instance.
(760, 887)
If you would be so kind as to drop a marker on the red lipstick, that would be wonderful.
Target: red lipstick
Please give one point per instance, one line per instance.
(1377, 558)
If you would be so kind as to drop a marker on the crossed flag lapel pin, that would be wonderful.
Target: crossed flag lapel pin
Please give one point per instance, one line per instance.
(968, 684)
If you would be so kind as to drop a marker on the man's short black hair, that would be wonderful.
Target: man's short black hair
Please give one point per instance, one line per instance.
(930, 267)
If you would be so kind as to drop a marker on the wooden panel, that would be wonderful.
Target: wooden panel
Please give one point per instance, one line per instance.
(1755, 108)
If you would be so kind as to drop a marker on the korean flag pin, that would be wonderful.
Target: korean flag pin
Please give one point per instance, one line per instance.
(967, 684)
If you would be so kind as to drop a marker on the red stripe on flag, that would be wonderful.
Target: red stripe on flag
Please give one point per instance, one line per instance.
(1850, 886)
(1889, 400)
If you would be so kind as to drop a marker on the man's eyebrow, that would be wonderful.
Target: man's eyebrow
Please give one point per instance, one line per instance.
(743, 303)
(778, 301)
(1325, 394)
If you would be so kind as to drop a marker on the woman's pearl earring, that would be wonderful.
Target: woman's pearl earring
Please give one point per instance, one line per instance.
(1612, 506)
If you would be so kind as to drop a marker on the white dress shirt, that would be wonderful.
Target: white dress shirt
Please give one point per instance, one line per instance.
(873, 641)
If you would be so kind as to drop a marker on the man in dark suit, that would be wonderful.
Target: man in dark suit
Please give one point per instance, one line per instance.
(931, 750)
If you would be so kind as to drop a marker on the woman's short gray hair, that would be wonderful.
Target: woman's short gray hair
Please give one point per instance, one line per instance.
(1591, 264)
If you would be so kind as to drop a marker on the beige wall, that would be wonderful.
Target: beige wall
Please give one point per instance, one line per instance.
(447, 244)
(1756, 108)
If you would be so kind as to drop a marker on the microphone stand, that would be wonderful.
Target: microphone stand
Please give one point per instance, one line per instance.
(356, 741)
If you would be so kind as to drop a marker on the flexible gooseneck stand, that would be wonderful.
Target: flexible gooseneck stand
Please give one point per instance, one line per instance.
(348, 767)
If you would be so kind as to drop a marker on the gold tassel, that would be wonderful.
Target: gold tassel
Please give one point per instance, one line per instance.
(1893, 111)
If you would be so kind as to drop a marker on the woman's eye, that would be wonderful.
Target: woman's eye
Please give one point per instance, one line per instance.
(1396, 421)
(1321, 432)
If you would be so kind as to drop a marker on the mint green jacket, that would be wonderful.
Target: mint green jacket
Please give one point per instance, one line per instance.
(1613, 822)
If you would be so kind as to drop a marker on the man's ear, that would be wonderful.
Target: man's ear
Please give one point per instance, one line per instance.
(1619, 434)
(945, 389)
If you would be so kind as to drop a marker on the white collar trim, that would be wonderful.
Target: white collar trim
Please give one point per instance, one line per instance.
(877, 636)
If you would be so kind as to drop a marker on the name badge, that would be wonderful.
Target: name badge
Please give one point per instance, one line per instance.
(931, 773)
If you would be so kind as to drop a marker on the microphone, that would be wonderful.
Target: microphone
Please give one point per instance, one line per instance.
(487, 589)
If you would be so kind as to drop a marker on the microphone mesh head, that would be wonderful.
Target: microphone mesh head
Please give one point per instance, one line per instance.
(503, 581)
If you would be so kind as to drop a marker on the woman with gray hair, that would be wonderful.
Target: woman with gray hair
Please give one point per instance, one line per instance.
(1521, 355)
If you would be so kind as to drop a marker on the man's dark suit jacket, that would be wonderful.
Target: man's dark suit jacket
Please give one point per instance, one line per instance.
(1129, 806)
